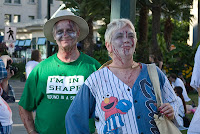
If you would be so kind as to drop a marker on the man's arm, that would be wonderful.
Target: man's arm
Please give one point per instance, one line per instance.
(27, 119)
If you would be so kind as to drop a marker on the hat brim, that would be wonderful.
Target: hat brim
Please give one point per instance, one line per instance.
(48, 27)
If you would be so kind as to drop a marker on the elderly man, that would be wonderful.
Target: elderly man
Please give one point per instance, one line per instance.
(54, 82)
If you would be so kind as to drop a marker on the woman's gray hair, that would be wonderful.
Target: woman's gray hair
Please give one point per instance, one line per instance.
(116, 25)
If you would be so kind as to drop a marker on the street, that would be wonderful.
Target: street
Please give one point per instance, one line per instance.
(18, 127)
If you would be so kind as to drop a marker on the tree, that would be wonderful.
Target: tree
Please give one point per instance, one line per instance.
(143, 33)
(174, 10)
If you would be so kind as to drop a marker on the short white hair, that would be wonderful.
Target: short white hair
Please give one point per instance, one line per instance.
(116, 25)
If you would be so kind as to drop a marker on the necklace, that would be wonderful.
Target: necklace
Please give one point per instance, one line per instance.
(133, 66)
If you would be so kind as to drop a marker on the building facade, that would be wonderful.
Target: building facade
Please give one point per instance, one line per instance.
(28, 16)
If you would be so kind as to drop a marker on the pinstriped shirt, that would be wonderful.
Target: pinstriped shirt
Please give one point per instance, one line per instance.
(104, 84)
(118, 108)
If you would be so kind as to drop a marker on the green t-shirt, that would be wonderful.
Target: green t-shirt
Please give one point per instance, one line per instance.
(50, 89)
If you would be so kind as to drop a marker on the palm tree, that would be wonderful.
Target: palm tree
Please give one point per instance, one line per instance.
(174, 10)
(143, 33)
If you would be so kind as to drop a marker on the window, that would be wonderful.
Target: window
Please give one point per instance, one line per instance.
(16, 42)
(17, 1)
(17, 18)
(8, 1)
(31, 17)
(7, 18)
(27, 43)
(41, 41)
(21, 43)
(32, 1)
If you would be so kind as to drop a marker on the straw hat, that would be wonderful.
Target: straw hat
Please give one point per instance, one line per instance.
(62, 15)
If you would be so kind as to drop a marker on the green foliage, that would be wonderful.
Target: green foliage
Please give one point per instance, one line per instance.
(102, 31)
(180, 33)
(162, 44)
(21, 70)
(181, 60)
(101, 55)
(90, 9)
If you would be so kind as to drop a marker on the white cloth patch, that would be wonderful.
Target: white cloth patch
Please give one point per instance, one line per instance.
(64, 84)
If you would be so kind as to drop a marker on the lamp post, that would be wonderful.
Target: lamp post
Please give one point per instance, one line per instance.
(48, 17)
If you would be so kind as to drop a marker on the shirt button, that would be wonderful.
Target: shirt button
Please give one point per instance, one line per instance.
(97, 119)
(142, 133)
(128, 89)
(138, 117)
(135, 101)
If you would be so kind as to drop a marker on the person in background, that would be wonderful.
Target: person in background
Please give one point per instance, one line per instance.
(180, 75)
(5, 111)
(35, 59)
(181, 107)
(117, 93)
(8, 93)
(175, 81)
(157, 61)
(194, 127)
(54, 82)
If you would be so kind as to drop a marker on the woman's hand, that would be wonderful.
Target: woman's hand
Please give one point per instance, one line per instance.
(167, 110)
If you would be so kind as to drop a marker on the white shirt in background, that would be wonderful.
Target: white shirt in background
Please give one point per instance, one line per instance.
(29, 67)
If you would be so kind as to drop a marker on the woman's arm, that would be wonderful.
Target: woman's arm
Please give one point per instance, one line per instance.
(81, 109)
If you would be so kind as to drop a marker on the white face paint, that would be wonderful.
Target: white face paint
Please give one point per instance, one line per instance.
(123, 43)
(60, 35)
(65, 35)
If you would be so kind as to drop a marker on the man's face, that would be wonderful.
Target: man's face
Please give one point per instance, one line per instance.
(123, 43)
(66, 35)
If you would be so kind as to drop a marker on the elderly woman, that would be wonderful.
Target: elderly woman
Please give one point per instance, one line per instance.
(120, 95)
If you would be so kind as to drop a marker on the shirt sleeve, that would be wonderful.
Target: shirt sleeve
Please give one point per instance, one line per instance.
(170, 97)
(3, 71)
(28, 70)
(81, 109)
(30, 97)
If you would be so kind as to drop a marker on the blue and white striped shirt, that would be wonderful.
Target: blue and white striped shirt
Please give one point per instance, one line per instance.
(119, 108)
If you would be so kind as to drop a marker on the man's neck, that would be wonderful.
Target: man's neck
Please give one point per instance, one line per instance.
(68, 56)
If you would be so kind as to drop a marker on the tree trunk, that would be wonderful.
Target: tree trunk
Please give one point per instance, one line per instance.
(142, 38)
(156, 13)
(168, 32)
(88, 46)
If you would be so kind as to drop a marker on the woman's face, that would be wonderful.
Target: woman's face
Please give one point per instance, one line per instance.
(122, 42)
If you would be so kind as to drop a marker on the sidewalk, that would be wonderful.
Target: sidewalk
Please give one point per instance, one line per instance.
(18, 126)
